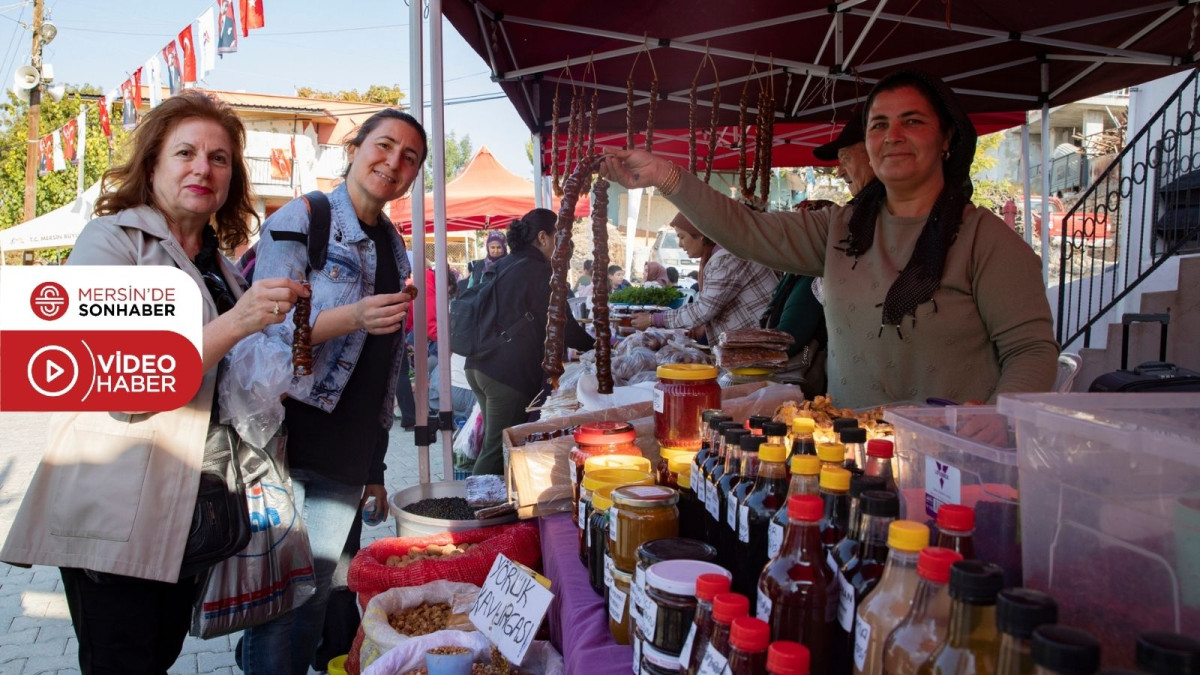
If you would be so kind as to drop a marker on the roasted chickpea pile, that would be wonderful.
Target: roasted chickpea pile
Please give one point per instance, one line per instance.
(421, 553)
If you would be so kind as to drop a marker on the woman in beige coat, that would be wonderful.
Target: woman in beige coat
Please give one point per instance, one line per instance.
(112, 501)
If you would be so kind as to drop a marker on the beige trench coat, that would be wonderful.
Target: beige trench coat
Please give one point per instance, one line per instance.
(115, 492)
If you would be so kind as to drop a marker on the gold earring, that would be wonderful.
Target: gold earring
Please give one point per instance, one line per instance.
(945, 155)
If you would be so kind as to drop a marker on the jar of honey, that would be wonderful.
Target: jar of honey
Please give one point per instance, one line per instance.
(599, 438)
(592, 482)
(639, 514)
(618, 606)
(683, 392)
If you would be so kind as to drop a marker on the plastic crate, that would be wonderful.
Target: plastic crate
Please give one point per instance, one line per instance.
(1110, 513)
(937, 463)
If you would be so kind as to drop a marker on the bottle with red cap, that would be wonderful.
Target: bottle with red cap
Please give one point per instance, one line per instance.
(956, 529)
(804, 481)
(785, 657)
(923, 628)
(708, 586)
(726, 608)
(879, 462)
(793, 590)
(748, 641)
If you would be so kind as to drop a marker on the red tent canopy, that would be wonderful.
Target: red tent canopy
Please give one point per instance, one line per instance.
(484, 196)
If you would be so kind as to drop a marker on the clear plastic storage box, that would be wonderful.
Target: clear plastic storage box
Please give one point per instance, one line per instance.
(1110, 510)
(962, 455)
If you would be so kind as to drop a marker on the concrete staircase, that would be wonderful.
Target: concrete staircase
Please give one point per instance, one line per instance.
(1183, 335)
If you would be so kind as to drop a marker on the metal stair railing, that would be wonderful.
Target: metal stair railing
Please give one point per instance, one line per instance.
(1143, 209)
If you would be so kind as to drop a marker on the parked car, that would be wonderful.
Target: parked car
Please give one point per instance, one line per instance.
(666, 250)
(1094, 227)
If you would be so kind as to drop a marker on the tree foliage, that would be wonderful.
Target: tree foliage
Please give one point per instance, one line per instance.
(376, 93)
(56, 188)
(458, 153)
(990, 194)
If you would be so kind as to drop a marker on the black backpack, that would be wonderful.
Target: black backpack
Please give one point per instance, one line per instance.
(475, 327)
(317, 237)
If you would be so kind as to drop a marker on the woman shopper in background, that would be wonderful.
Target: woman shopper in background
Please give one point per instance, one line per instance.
(338, 418)
(497, 248)
(112, 502)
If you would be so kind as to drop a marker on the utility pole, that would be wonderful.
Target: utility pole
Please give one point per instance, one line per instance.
(35, 108)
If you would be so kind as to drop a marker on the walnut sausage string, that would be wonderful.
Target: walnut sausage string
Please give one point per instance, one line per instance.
(712, 133)
(600, 286)
(559, 261)
(302, 357)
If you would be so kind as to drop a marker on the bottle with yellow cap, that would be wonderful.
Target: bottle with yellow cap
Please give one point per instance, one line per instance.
(805, 470)
(831, 455)
(763, 500)
(880, 613)
(860, 576)
(802, 436)
(834, 491)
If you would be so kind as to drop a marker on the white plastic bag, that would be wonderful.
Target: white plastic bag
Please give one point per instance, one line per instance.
(378, 635)
(540, 658)
(255, 375)
(469, 439)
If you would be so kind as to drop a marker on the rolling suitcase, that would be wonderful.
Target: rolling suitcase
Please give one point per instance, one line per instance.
(1154, 376)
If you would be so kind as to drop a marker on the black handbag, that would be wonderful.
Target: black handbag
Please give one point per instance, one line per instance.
(221, 520)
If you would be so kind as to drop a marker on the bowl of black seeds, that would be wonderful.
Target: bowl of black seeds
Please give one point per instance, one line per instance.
(433, 508)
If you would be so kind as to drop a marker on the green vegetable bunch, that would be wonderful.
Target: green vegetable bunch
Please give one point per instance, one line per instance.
(637, 295)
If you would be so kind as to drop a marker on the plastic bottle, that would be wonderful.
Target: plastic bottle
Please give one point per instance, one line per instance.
(730, 458)
(834, 491)
(708, 586)
(726, 608)
(879, 463)
(832, 455)
(1168, 653)
(766, 497)
(747, 477)
(802, 436)
(793, 589)
(371, 513)
(923, 628)
(971, 640)
(956, 529)
(844, 423)
(855, 441)
(785, 657)
(859, 576)
(884, 609)
(848, 546)
(726, 503)
(755, 424)
(748, 642)
(805, 470)
(691, 511)
(776, 433)
(1062, 650)
(706, 437)
(1018, 612)
(714, 442)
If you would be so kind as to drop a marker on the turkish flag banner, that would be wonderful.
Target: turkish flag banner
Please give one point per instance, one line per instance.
(105, 126)
(252, 15)
(189, 55)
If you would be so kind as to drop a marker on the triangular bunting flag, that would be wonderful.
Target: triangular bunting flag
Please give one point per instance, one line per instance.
(188, 65)
(226, 28)
(207, 40)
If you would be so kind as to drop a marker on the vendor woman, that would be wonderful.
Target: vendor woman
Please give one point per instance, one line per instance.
(925, 294)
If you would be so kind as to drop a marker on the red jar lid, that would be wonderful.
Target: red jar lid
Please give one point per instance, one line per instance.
(787, 658)
(605, 433)
(708, 586)
(880, 447)
(749, 635)
(934, 563)
(729, 606)
(955, 518)
(805, 508)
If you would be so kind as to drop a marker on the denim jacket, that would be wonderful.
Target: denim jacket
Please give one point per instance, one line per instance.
(348, 276)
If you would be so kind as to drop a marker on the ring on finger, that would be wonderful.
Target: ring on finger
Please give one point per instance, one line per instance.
(276, 310)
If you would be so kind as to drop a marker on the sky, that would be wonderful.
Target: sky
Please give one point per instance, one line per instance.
(346, 44)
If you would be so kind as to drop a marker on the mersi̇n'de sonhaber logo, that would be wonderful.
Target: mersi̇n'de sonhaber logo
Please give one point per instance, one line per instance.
(49, 301)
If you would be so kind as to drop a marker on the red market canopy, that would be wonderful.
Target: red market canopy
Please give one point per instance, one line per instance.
(819, 59)
(484, 195)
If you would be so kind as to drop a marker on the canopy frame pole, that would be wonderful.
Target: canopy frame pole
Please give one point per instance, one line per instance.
(1026, 177)
(1045, 174)
(441, 273)
(1132, 39)
(863, 34)
(487, 42)
(420, 320)
(539, 197)
(808, 77)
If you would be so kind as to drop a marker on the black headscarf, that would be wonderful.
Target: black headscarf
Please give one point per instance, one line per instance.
(922, 276)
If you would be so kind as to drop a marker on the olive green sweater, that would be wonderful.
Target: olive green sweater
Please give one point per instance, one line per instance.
(987, 331)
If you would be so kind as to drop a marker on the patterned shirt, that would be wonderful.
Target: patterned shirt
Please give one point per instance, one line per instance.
(733, 296)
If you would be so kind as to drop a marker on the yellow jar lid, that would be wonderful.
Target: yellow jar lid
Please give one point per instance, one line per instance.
(751, 372)
(681, 463)
(671, 453)
(601, 477)
(615, 462)
(907, 535)
(685, 479)
(806, 465)
(772, 452)
(831, 452)
(687, 371)
(803, 425)
(602, 498)
(835, 478)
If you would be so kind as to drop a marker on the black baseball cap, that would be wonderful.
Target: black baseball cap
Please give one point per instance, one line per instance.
(852, 133)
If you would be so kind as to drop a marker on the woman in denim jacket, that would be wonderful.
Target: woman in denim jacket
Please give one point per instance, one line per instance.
(338, 418)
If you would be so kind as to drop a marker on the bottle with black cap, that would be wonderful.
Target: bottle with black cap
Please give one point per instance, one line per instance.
(746, 460)
(855, 440)
(706, 439)
(731, 457)
(970, 645)
(1163, 653)
(862, 572)
(1062, 650)
(1018, 612)
(776, 432)
(755, 423)
(845, 549)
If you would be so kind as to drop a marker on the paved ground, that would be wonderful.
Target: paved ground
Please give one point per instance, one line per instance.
(35, 627)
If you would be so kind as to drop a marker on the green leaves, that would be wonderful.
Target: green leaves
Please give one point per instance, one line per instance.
(651, 295)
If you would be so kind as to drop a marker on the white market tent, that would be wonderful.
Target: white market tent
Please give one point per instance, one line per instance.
(57, 229)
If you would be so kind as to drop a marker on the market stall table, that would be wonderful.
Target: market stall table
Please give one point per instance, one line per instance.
(587, 646)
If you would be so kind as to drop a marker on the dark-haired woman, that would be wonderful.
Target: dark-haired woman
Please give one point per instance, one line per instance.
(338, 418)
(112, 502)
(926, 295)
(509, 378)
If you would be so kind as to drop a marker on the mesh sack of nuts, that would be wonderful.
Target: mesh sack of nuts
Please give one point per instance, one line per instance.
(370, 573)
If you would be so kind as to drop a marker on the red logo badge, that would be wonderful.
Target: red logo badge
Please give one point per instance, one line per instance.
(49, 301)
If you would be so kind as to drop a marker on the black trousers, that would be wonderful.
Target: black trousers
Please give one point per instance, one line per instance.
(127, 625)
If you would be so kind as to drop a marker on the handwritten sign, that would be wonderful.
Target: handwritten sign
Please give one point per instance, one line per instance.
(510, 608)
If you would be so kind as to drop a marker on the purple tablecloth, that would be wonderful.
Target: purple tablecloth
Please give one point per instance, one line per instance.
(578, 616)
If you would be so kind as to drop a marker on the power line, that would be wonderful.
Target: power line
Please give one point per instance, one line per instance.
(8, 58)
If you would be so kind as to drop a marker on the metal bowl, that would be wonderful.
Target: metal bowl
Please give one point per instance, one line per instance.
(412, 525)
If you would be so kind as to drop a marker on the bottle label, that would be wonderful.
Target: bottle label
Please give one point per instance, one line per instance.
(649, 619)
(608, 568)
(701, 489)
(616, 604)
(638, 605)
(744, 524)
(637, 655)
(731, 510)
(660, 401)
(862, 640)
(763, 609)
(572, 469)
(587, 535)
(582, 512)
(943, 485)
(845, 612)
(612, 524)
(774, 539)
(713, 663)
(712, 504)
(685, 656)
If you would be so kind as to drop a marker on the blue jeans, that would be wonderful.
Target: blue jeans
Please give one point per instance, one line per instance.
(287, 643)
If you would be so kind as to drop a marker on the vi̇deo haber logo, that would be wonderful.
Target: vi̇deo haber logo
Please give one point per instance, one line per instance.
(99, 338)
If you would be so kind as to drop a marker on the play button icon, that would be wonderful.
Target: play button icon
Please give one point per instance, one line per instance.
(52, 371)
